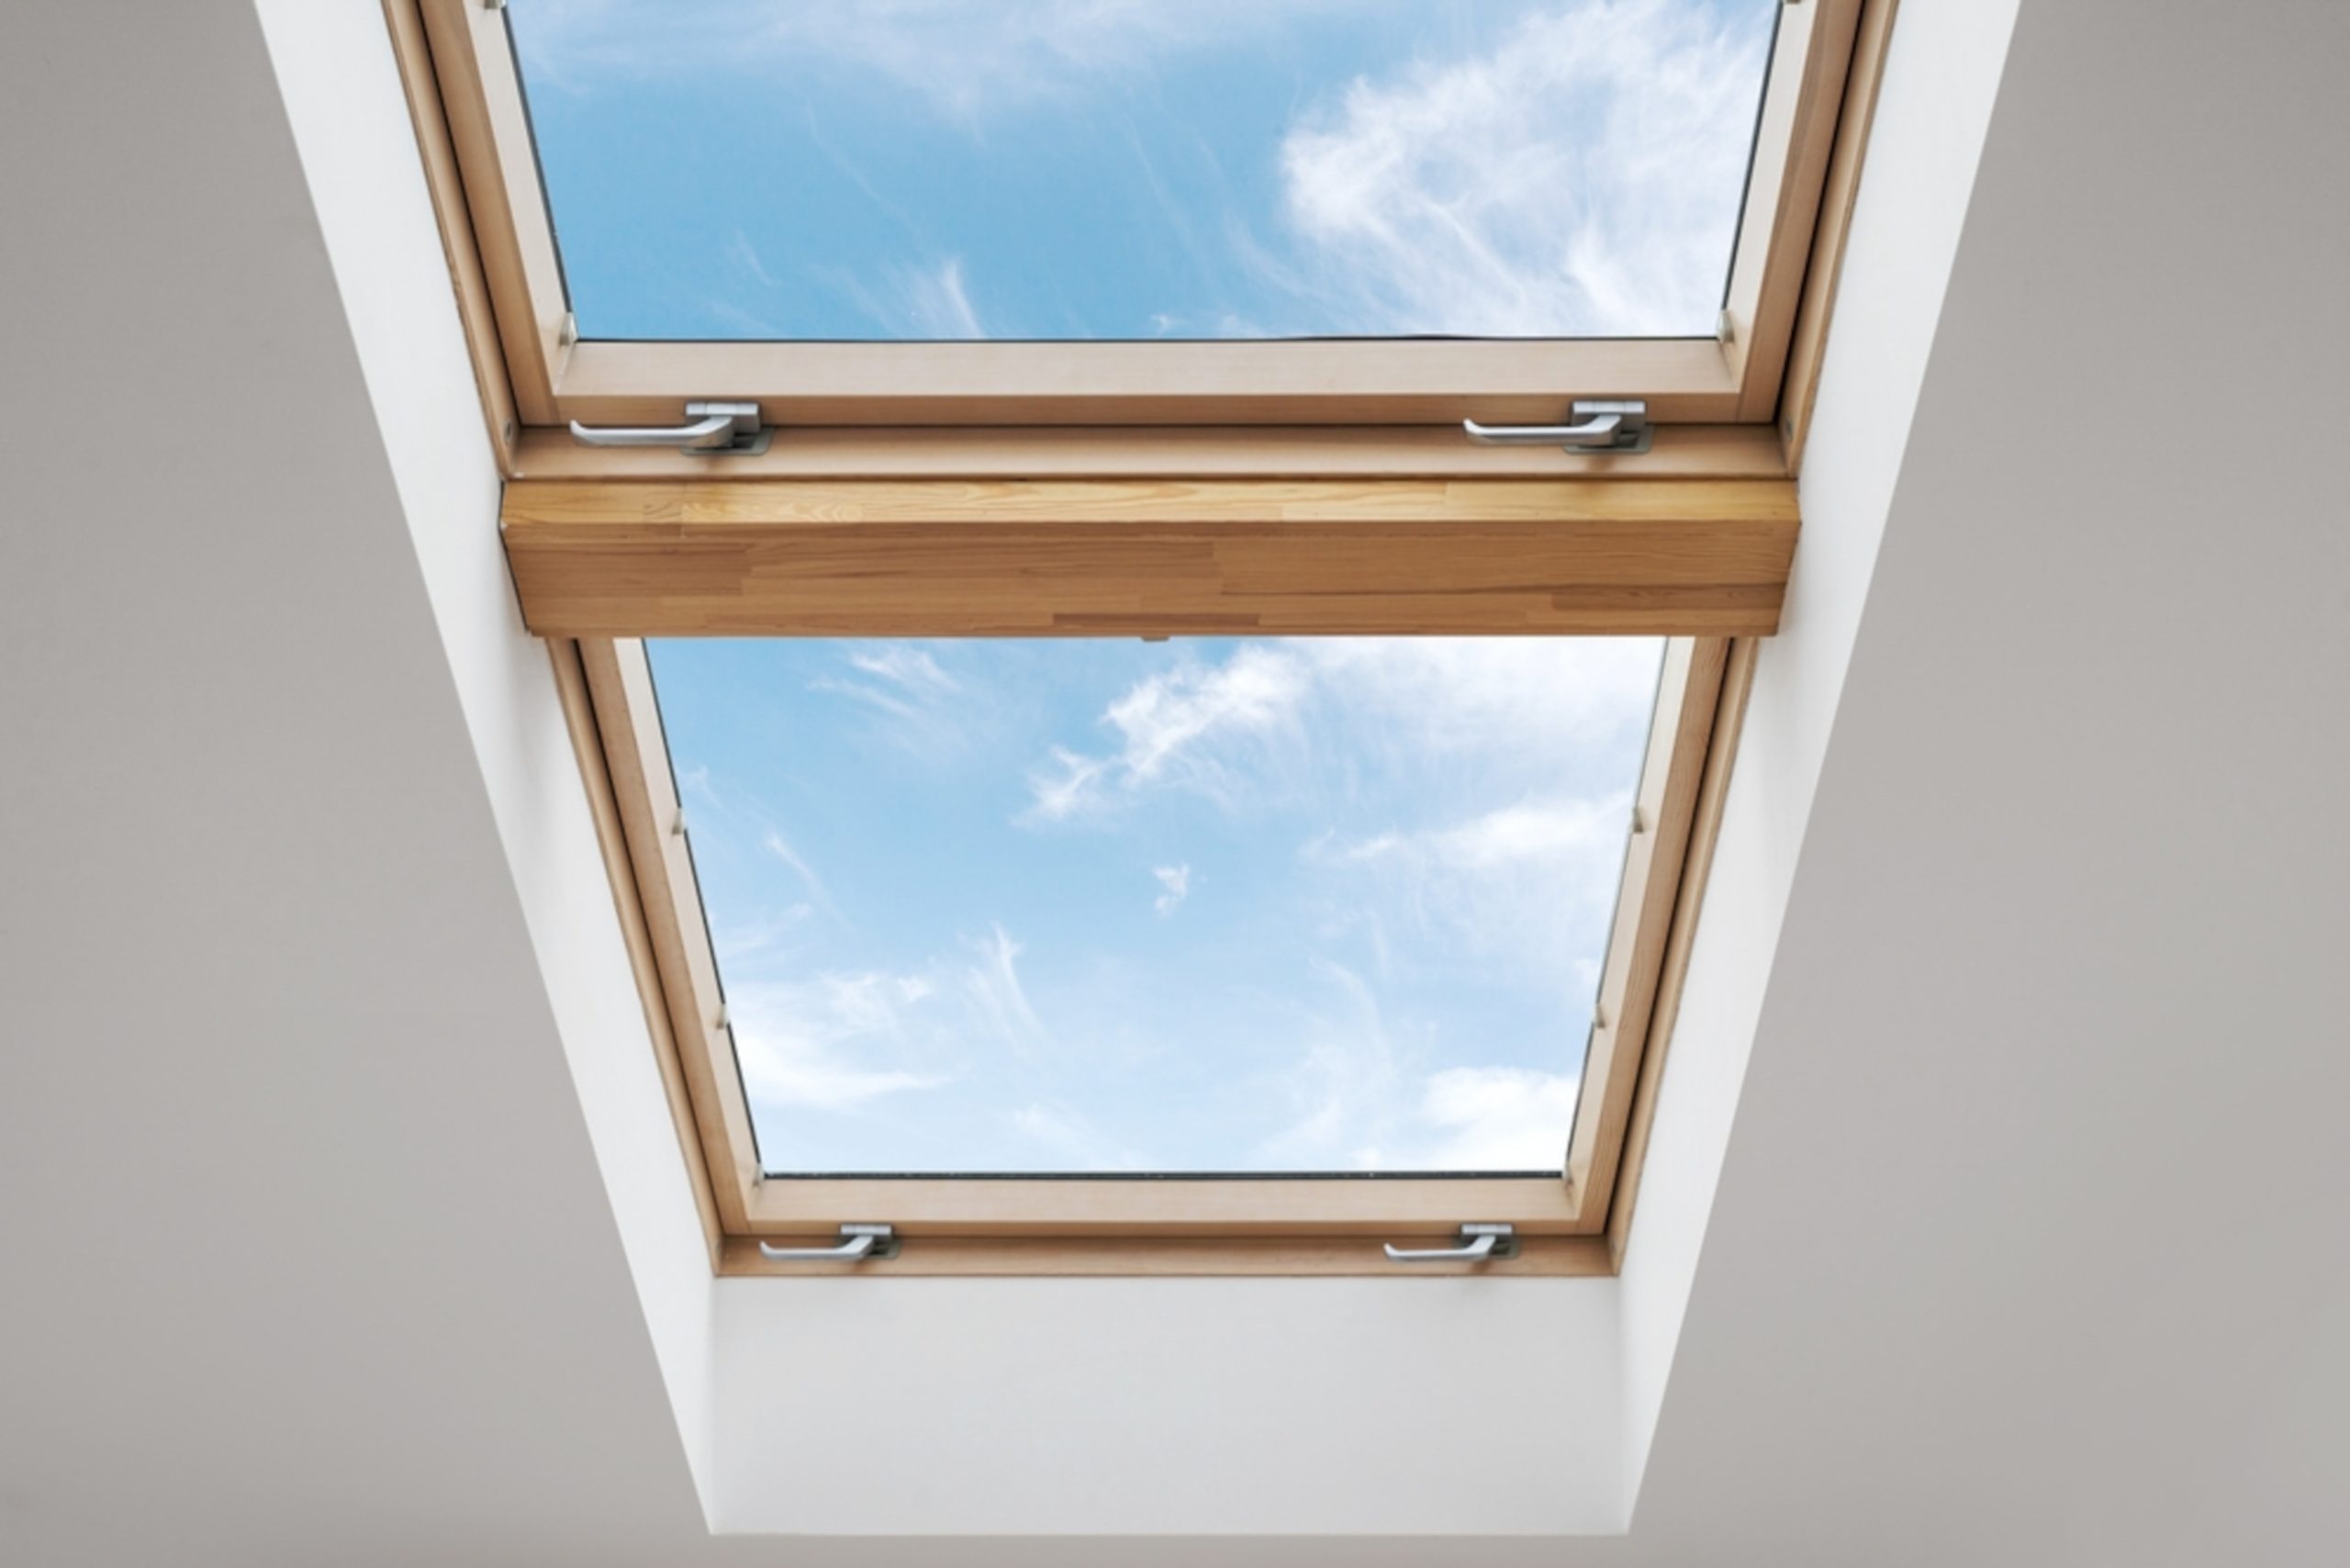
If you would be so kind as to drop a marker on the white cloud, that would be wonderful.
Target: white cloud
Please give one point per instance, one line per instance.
(759, 937)
(1508, 835)
(799, 1043)
(1171, 724)
(746, 255)
(907, 683)
(904, 665)
(836, 1040)
(1517, 892)
(1527, 830)
(935, 304)
(1538, 699)
(1177, 881)
(1342, 1088)
(993, 986)
(1239, 732)
(918, 704)
(1582, 179)
(1499, 1118)
(929, 301)
(1360, 1101)
(775, 844)
(1581, 176)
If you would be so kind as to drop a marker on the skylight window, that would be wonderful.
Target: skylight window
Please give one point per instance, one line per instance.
(1156, 169)
(1148, 774)
(1262, 906)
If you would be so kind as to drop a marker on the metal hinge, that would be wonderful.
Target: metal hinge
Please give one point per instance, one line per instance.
(1610, 424)
(711, 429)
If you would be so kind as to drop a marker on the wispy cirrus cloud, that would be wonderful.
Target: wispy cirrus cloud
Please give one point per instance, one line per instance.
(1521, 889)
(1362, 1100)
(775, 844)
(811, 1044)
(1515, 835)
(1581, 180)
(936, 303)
(997, 998)
(1564, 169)
(898, 679)
(1236, 731)
(915, 701)
(835, 1040)
(1414, 846)
(1174, 726)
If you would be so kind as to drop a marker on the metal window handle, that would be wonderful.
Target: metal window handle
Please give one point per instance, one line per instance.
(710, 428)
(857, 1242)
(1478, 1242)
(1610, 425)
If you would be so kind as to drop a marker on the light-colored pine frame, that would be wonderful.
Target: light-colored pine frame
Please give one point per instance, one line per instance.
(1732, 378)
(722, 556)
(1080, 1225)
(1224, 426)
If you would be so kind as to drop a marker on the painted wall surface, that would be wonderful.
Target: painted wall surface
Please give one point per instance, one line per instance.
(1017, 1407)
(317, 1122)
(1942, 74)
(349, 121)
(1168, 1406)
(303, 1251)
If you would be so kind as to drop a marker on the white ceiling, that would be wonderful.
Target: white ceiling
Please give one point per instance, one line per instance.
(2031, 1243)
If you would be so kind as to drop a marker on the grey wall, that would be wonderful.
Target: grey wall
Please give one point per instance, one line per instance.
(2028, 1247)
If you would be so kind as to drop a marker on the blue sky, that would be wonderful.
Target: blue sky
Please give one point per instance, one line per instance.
(1334, 905)
(1143, 168)
(1210, 906)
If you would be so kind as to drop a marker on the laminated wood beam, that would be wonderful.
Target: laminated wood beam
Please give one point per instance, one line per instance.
(1150, 557)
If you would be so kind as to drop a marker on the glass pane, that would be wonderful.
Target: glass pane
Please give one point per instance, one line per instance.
(1265, 906)
(1140, 169)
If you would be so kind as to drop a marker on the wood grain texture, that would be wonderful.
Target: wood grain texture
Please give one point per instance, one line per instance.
(645, 963)
(480, 127)
(1150, 557)
(1396, 1207)
(446, 186)
(1107, 1225)
(1344, 381)
(628, 724)
(947, 1257)
(1687, 700)
(1827, 264)
(1793, 148)
(1705, 829)
(481, 101)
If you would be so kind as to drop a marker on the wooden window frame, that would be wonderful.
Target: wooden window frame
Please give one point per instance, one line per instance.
(1089, 489)
(1732, 377)
(1271, 1224)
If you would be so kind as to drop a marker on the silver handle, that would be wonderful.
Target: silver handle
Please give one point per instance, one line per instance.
(1478, 1242)
(710, 427)
(857, 1241)
(1612, 425)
